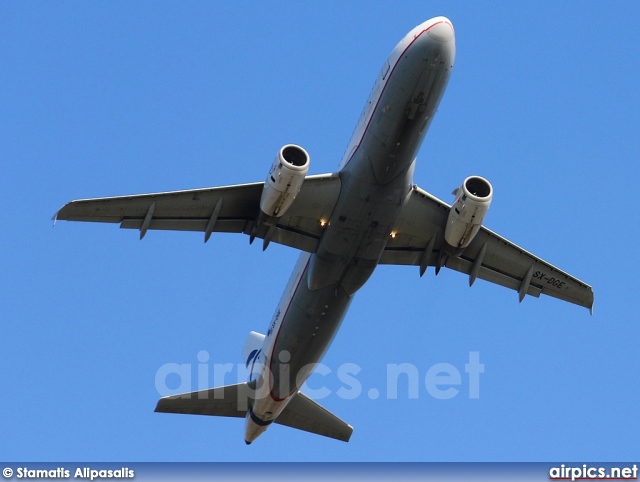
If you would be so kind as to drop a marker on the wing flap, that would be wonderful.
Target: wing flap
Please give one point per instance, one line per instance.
(488, 274)
(177, 224)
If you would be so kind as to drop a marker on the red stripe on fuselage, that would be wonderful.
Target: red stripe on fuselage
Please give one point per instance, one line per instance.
(275, 342)
(387, 83)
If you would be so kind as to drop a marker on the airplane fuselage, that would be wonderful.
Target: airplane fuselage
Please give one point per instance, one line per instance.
(376, 176)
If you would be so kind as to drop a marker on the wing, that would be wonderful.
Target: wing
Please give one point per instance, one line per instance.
(229, 209)
(419, 238)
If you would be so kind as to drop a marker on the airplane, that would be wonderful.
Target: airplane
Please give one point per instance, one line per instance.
(345, 224)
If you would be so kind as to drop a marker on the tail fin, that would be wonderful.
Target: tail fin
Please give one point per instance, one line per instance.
(251, 353)
(252, 346)
(301, 412)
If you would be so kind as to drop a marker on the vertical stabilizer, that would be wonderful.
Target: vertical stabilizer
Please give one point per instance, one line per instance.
(251, 349)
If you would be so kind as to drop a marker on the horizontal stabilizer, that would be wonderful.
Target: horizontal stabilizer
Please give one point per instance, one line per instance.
(232, 401)
(305, 414)
(227, 401)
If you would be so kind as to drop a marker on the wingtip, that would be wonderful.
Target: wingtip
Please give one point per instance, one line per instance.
(347, 437)
(61, 214)
(55, 216)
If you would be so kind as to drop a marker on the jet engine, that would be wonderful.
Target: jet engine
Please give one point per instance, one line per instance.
(472, 202)
(284, 180)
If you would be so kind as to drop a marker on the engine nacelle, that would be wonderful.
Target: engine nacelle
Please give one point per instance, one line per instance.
(284, 180)
(468, 211)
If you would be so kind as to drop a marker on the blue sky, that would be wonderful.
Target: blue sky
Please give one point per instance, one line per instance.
(103, 98)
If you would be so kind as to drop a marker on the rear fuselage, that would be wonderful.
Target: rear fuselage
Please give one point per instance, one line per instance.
(376, 177)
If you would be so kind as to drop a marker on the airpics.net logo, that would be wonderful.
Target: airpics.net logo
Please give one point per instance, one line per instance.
(590, 472)
(441, 381)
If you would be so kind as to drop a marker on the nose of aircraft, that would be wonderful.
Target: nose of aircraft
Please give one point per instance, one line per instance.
(442, 30)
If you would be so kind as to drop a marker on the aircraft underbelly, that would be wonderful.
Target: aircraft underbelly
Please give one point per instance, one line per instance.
(405, 110)
(312, 320)
(377, 179)
(357, 233)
